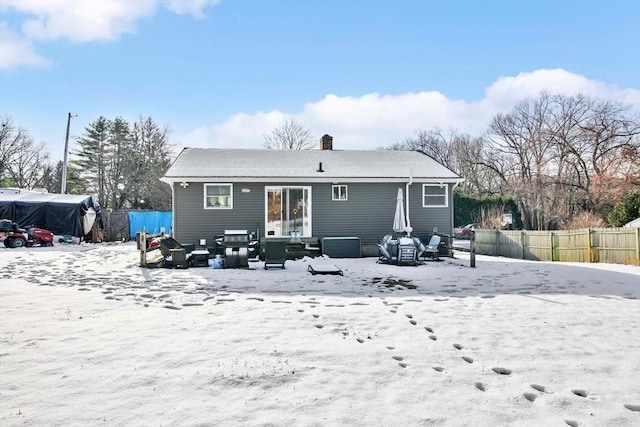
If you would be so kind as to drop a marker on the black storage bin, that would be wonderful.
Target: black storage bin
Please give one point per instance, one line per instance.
(200, 258)
(446, 245)
(340, 247)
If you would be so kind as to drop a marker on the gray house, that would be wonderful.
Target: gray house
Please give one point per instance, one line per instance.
(313, 193)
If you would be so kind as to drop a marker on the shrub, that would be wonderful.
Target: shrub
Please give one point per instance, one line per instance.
(585, 220)
(469, 208)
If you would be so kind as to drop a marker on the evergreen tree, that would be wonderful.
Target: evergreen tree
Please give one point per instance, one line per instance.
(626, 210)
(118, 150)
(151, 157)
(92, 158)
(123, 165)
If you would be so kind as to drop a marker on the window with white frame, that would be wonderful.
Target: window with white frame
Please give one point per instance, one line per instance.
(435, 195)
(218, 196)
(339, 192)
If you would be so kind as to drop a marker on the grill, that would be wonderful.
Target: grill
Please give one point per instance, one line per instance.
(236, 249)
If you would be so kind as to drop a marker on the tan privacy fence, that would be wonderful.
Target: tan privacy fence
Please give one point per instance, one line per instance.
(608, 245)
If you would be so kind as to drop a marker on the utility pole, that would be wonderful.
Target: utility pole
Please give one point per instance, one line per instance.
(63, 186)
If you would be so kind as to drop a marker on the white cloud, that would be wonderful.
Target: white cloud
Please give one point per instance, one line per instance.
(189, 7)
(238, 131)
(373, 120)
(509, 90)
(86, 20)
(17, 51)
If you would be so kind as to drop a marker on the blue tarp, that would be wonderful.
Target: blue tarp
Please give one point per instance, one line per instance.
(152, 221)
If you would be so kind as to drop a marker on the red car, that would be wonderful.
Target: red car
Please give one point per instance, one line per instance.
(464, 232)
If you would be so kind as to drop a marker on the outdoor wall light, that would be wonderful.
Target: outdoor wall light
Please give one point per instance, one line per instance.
(184, 184)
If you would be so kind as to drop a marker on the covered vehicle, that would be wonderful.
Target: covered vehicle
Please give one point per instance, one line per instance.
(62, 214)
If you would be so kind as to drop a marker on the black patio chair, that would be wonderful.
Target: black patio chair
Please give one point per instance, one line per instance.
(275, 253)
(175, 254)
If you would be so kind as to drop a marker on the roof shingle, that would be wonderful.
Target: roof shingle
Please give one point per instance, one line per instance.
(200, 163)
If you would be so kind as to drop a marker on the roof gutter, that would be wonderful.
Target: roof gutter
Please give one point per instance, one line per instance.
(326, 179)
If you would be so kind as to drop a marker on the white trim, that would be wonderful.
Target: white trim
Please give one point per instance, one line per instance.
(204, 198)
(446, 195)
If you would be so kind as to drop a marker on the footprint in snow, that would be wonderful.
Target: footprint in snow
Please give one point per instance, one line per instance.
(540, 388)
(580, 392)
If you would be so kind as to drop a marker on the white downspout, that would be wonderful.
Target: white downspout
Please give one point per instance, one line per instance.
(406, 201)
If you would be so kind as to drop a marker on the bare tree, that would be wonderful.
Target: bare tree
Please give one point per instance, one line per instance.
(482, 169)
(11, 139)
(520, 137)
(22, 161)
(566, 155)
(462, 153)
(27, 164)
(290, 135)
(435, 144)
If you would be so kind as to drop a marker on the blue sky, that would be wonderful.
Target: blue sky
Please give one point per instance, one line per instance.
(370, 73)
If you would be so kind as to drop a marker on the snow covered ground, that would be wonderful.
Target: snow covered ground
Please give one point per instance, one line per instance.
(89, 338)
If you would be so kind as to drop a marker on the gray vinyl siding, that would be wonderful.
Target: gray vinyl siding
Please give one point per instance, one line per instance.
(368, 213)
(193, 222)
(423, 220)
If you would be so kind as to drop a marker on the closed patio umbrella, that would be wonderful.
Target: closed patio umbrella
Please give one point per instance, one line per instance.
(399, 220)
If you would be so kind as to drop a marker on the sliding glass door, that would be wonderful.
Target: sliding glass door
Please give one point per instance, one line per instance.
(288, 210)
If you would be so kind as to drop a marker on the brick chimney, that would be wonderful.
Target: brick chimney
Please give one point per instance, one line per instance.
(326, 142)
